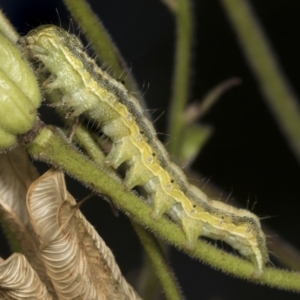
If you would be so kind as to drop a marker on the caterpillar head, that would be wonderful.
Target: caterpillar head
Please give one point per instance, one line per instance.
(47, 38)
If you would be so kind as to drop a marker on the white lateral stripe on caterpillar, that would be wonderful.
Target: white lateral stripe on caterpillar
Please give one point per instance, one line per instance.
(90, 91)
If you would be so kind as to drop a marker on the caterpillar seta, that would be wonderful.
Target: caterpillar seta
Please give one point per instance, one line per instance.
(90, 91)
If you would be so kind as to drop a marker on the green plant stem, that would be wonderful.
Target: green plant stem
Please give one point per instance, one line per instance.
(52, 147)
(100, 40)
(278, 94)
(162, 268)
(182, 73)
(7, 28)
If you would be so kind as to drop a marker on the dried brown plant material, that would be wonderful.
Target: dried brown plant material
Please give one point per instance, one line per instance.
(64, 257)
(18, 280)
(16, 175)
(77, 260)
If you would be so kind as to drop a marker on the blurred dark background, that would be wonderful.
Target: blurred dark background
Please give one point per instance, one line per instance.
(247, 156)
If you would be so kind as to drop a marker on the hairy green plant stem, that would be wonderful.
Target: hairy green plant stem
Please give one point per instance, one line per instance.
(52, 147)
(162, 268)
(7, 29)
(278, 93)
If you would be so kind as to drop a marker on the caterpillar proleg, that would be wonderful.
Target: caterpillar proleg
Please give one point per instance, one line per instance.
(90, 91)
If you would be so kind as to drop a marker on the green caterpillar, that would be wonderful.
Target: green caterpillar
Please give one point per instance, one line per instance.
(90, 91)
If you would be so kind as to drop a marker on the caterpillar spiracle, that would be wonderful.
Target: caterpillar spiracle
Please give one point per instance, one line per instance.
(89, 90)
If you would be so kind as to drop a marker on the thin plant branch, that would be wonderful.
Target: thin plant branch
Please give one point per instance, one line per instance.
(8, 29)
(181, 74)
(277, 91)
(162, 268)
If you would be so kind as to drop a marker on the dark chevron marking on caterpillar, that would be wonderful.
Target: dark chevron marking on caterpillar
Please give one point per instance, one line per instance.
(88, 90)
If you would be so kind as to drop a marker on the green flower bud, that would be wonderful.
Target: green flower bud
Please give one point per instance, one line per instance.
(19, 94)
(16, 68)
(17, 113)
(7, 140)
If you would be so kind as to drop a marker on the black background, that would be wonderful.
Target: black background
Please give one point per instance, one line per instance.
(247, 156)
